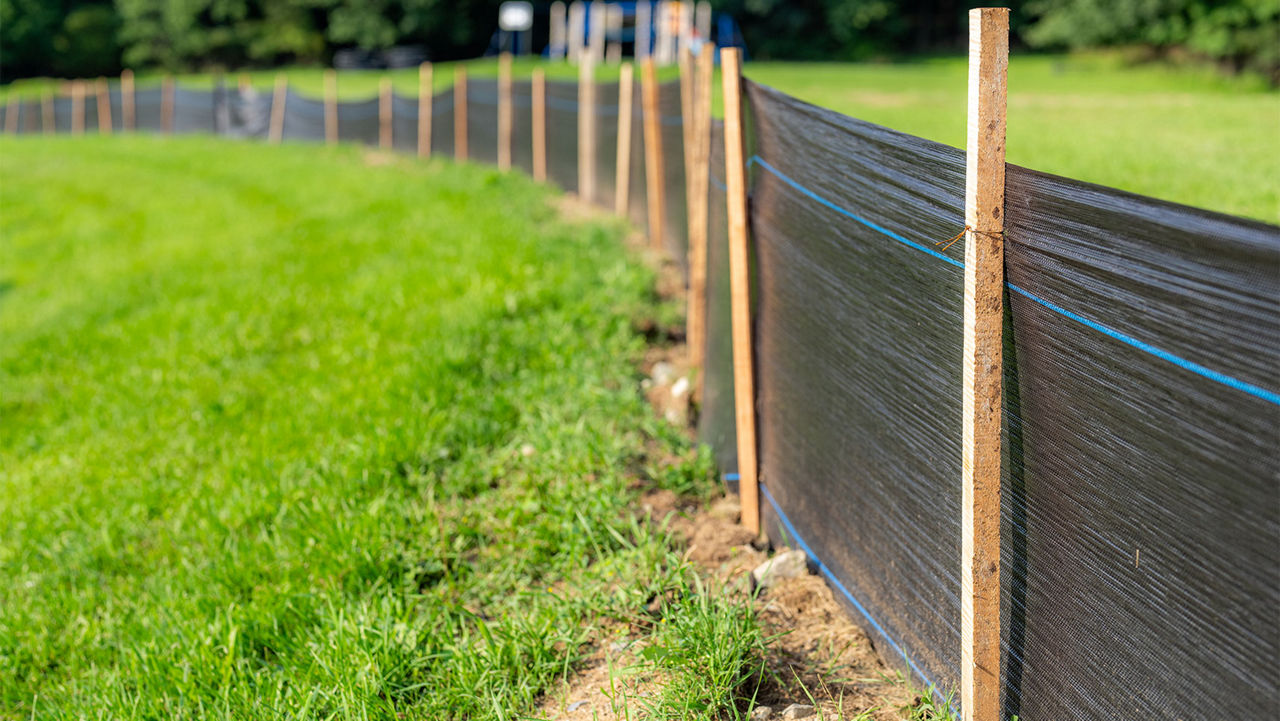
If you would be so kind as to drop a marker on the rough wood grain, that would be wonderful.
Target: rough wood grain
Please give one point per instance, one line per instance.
(655, 183)
(12, 109)
(622, 181)
(384, 114)
(983, 325)
(460, 113)
(128, 102)
(103, 94)
(539, 91)
(279, 97)
(740, 289)
(426, 94)
(587, 129)
(330, 107)
(699, 185)
(504, 112)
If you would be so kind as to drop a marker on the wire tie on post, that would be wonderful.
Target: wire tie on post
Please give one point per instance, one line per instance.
(967, 229)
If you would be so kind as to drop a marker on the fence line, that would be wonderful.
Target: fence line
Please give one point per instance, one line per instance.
(1145, 428)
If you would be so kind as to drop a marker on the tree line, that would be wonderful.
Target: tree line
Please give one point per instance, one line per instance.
(84, 38)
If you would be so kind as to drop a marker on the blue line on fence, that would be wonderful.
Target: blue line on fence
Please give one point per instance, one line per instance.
(756, 159)
(1264, 394)
(835, 583)
(1209, 373)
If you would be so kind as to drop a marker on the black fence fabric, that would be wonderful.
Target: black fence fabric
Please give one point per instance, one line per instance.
(1142, 419)
(482, 120)
(858, 358)
(1141, 489)
(717, 424)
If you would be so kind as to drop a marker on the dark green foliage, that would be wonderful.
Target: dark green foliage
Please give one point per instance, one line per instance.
(58, 37)
(182, 34)
(854, 29)
(1244, 34)
(92, 37)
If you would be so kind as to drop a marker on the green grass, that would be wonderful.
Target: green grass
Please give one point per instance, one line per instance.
(1186, 134)
(283, 434)
(1181, 134)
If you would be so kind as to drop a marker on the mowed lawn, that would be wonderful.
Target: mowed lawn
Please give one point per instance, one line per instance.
(311, 433)
(1185, 134)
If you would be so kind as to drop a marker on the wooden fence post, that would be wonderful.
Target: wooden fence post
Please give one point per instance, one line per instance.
(12, 109)
(167, 93)
(104, 106)
(983, 367)
(699, 181)
(48, 122)
(384, 114)
(128, 116)
(539, 91)
(331, 106)
(744, 395)
(622, 181)
(279, 99)
(655, 181)
(586, 128)
(426, 94)
(77, 107)
(460, 113)
(685, 64)
(504, 111)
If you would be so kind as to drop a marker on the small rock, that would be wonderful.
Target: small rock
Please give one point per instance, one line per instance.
(662, 373)
(620, 646)
(788, 564)
(575, 706)
(527, 450)
(797, 710)
(680, 389)
(761, 713)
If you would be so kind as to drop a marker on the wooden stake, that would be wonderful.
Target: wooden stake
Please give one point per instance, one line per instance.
(426, 94)
(48, 122)
(166, 105)
(331, 107)
(12, 109)
(384, 114)
(983, 368)
(460, 113)
(622, 183)
(655, 181)
(685, 63)
(104, 106)
(587, 128)
(699, 180)
(77, 107)
(279, 99)
(539, 90)
(128, 116)
(504, 111)
(744, 396)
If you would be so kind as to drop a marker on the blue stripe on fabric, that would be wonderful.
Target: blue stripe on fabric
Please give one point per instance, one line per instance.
(756, 159)
(1229, 381)
(835, 583)
(1209, 373)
